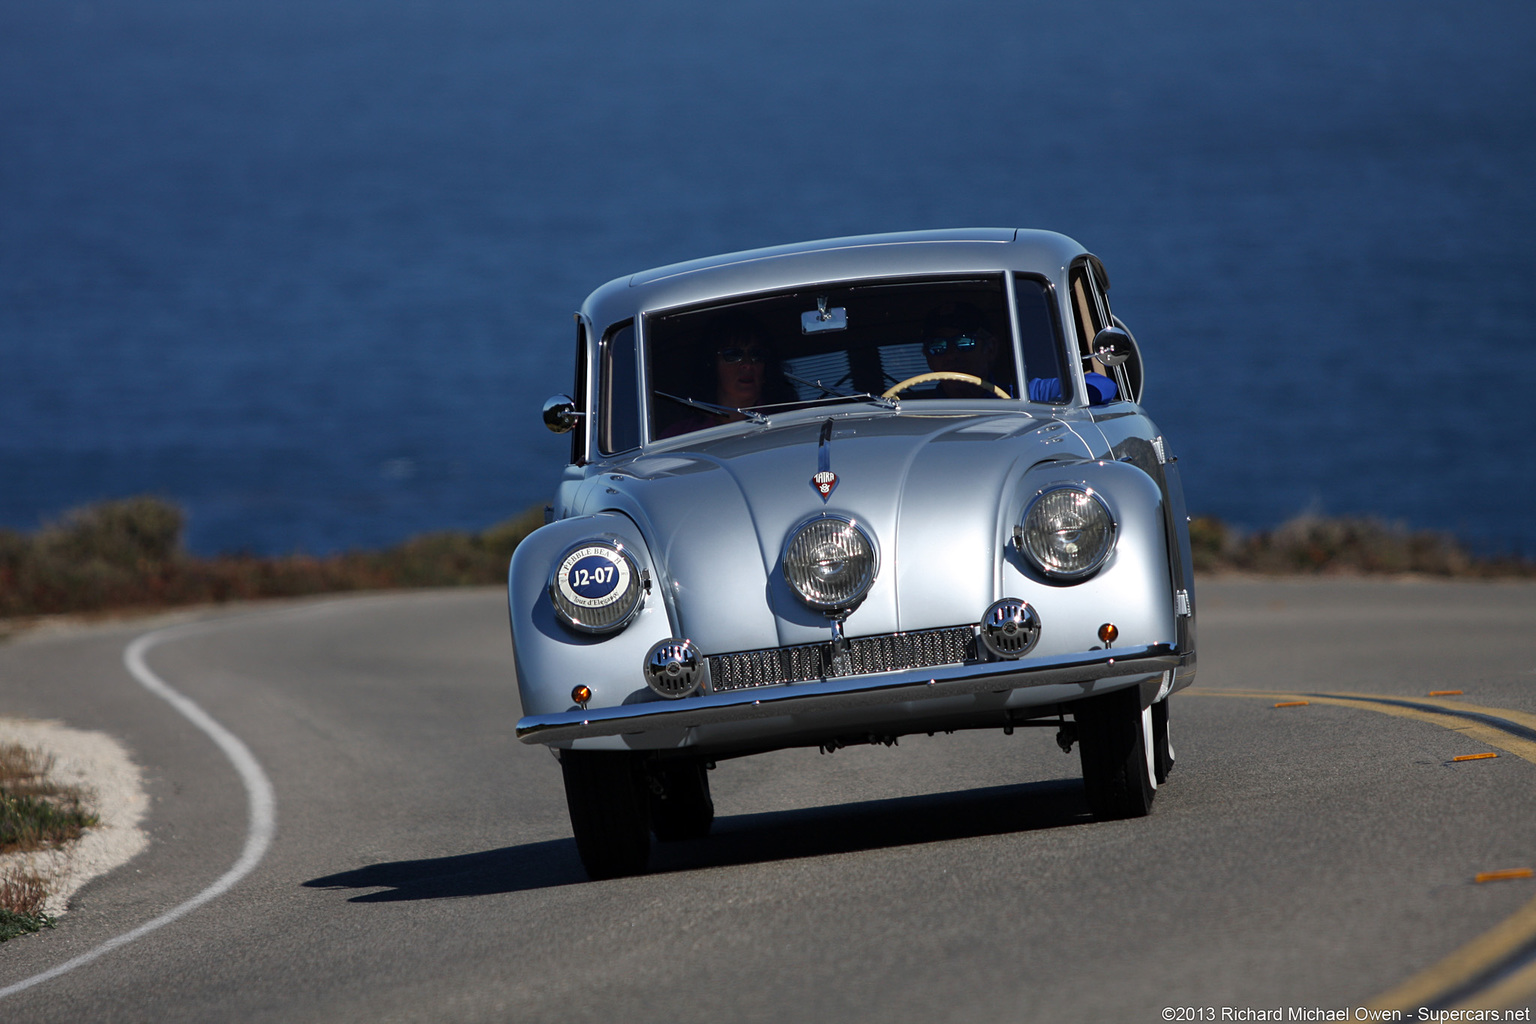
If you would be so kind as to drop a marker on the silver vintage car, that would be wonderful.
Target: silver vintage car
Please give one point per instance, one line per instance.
(843, 491)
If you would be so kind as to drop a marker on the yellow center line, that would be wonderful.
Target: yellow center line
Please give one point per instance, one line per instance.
(1480, 731)
(1508, 937)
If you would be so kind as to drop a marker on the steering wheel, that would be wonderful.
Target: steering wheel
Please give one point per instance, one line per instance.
(923, 378)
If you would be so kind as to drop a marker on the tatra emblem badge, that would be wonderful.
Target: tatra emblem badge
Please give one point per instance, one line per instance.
(824, 482)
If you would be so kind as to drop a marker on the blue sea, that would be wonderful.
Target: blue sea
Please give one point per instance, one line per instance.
(308, 268)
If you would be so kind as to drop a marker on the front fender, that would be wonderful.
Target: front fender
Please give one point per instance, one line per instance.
(551, 658)
(1133, 590)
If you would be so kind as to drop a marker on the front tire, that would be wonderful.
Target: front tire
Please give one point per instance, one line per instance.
(681, 807)
(1113, 732)
(1162, 746)
(605, 794)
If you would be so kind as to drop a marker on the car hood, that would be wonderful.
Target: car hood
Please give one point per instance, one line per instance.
(939, 495)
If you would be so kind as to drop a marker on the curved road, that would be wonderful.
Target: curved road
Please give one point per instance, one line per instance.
(1314, 856)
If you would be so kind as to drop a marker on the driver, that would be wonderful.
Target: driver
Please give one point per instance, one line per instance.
(956, 340)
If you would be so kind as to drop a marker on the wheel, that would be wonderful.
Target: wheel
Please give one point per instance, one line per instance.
(680, 803)
(1113, 733)
(605, 796)
(1162, 747)
(923, 378)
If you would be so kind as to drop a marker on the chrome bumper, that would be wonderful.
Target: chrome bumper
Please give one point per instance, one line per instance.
(1075, 676)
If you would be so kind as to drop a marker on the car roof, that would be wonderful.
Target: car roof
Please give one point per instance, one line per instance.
(959, 250)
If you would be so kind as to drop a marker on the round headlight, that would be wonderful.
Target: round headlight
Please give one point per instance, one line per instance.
(830, 563)
(596, 587)
(1067, 532)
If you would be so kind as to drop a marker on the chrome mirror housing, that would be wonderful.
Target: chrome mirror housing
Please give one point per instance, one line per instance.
(1113, 346)
(560, 414)
(823, 319)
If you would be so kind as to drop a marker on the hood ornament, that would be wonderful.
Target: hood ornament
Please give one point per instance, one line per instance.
(824, 480)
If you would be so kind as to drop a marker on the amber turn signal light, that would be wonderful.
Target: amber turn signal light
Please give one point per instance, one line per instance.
(581, 695)
(1108, 633)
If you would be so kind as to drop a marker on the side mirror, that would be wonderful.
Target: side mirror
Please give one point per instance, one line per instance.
(1116, 349)
(1113, 346)
(560, 414)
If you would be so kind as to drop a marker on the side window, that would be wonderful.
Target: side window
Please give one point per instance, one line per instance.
(1089, 309)
(1045, 369)
(579, 434)
(618, 391)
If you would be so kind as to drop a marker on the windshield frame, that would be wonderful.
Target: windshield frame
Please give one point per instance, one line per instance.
(997, 287)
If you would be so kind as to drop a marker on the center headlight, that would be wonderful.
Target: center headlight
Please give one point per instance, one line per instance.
(1067, 532)
(830, 563)
(596, 587)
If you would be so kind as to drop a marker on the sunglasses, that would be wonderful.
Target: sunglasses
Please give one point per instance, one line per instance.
(939, 346)
(736, 355)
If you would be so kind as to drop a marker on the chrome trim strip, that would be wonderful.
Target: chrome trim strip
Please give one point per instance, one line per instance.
(848, 692)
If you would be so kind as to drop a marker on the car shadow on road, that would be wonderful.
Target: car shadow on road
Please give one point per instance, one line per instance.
(737, 839)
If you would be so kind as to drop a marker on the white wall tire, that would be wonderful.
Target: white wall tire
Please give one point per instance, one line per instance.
(1114, 734)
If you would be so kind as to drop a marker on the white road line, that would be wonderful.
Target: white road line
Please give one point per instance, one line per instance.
(262, 820)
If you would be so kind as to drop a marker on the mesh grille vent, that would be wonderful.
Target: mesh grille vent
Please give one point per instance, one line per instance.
(806, 663)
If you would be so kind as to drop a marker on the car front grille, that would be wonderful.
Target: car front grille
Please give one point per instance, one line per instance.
(804, 663)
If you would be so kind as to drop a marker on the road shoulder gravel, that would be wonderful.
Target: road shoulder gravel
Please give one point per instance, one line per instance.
(114, 790)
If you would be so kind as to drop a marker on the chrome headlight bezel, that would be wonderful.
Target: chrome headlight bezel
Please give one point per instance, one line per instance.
(1046, 517)
(816, 542)
(605, 604)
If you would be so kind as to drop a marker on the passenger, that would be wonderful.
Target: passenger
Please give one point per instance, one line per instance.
(739, 373)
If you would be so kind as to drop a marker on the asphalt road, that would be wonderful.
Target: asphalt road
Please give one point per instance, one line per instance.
(1317, 856)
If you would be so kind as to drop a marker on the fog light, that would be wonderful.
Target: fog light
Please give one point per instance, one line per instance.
(673, 668)
(1010, 628)
(580, 695)
(1108, 634)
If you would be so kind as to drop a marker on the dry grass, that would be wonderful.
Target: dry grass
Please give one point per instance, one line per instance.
(35, 813)
(21, 903)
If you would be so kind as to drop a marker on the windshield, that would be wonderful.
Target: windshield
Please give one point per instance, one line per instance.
(917, 340)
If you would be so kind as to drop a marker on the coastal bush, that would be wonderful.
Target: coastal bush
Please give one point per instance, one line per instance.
(1361, 546)
(129, 554)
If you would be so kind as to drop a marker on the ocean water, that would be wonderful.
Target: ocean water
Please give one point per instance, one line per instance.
(308, 268)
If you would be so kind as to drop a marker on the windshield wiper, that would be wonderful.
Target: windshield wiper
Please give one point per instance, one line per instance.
(858, 396)
(755, 417)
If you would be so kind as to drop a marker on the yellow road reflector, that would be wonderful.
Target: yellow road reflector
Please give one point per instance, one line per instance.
(1499, 876)
(1445, 693)
(1472, 757)
(1292, 704)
